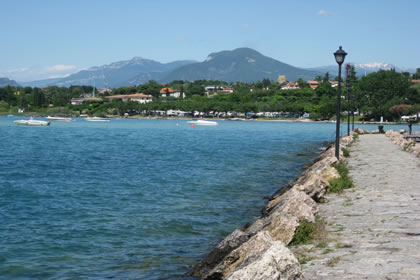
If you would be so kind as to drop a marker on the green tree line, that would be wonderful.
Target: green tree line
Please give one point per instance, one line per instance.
(376, 95)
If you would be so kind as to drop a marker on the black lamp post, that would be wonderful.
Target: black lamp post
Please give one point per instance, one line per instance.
(340, 55)
(348, 97)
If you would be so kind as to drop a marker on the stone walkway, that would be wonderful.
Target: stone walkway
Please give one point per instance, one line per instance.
(373, 228)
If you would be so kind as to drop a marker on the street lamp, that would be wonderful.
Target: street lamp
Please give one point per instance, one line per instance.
(339, 55)
(349, 101)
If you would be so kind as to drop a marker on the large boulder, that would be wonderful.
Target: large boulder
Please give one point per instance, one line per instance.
(260, 257)
(231, 242)
(284, 214)
(317, 183)
(280, 218)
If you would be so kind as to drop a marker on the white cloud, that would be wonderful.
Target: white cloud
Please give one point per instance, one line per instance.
(246, 26)
(18, 70)
(33, 73)
(60, 68)
(324, 13)
(58, 76)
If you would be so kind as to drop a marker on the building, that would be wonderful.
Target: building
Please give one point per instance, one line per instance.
(313, 84)
(334, 83)
(104, 90)
(170, 92)
(213, 90)
(136, 97)
(281, 79)
(79, 101)
(290, 85)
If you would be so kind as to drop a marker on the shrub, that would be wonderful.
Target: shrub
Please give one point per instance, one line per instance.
(303, 233)
(356, 136)
(342, 183)
(346, 152)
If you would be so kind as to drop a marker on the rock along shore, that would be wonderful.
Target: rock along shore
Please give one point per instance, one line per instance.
(259, 250)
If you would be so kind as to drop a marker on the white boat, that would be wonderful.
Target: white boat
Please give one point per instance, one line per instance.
(203, 122)
(32, 122)
(59, 119)
(97, 119)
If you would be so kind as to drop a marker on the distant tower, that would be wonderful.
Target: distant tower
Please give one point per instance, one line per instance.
(281, 79)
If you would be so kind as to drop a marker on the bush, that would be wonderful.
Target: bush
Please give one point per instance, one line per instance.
(346, 152)
(342, 183)
(303, 233)
(356, 136)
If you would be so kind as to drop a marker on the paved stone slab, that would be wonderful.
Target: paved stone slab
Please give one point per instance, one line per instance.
(374, 228)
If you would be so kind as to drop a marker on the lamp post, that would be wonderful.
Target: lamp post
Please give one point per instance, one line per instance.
(349, 101)
(339, 55)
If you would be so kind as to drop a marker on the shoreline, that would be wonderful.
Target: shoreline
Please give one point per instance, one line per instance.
(28, 114)
(260, 250)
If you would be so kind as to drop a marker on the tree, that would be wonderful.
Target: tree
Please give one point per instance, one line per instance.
(302, 84)
(400, 109)
(377, 92)
(38, 97)
(326, 78)
(416, 76)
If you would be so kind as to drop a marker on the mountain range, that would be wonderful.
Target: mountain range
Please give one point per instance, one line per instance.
(7, 82)
(362, 69)
(122, 73)
(242, 64)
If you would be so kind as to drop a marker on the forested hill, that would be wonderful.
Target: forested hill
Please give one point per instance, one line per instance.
(243, 64)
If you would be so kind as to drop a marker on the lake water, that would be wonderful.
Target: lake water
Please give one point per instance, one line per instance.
(137, 199)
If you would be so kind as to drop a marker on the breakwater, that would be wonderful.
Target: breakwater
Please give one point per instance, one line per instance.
(369, 231)
(259, 250)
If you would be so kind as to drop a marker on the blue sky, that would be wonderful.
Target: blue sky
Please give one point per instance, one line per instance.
(51, 38)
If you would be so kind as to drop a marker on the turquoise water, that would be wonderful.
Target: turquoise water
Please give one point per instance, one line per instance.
(137, 199)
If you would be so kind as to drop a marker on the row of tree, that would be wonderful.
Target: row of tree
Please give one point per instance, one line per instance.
(387, 94)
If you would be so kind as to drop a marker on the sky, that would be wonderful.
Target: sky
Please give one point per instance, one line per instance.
(53, 38)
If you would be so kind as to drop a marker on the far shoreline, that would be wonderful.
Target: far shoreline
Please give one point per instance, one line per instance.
(293, 120)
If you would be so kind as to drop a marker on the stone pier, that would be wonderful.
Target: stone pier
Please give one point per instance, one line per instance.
(373, 229)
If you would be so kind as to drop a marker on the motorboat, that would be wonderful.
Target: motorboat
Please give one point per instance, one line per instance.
(59, 119)
(203, 122)
(32, 122)
(97, 119)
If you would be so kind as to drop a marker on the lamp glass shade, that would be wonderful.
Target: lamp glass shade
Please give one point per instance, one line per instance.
(340, 55)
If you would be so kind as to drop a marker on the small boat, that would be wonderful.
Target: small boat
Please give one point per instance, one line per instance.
(97, 119)
(59, 119)
(32, 122)
(203, 122)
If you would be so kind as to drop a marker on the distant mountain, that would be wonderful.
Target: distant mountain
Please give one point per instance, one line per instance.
(122, 73)
(7, 82)
(243, 64)
(362, 69)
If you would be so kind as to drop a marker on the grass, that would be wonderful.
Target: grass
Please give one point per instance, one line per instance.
(356, 136)
(303, 233)
(322, 244)
(346, 152)
(409, 146)
(327, 251)
(307, 232)
(333, 261)
(304, 260)
(337, 185)
(339, 245)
